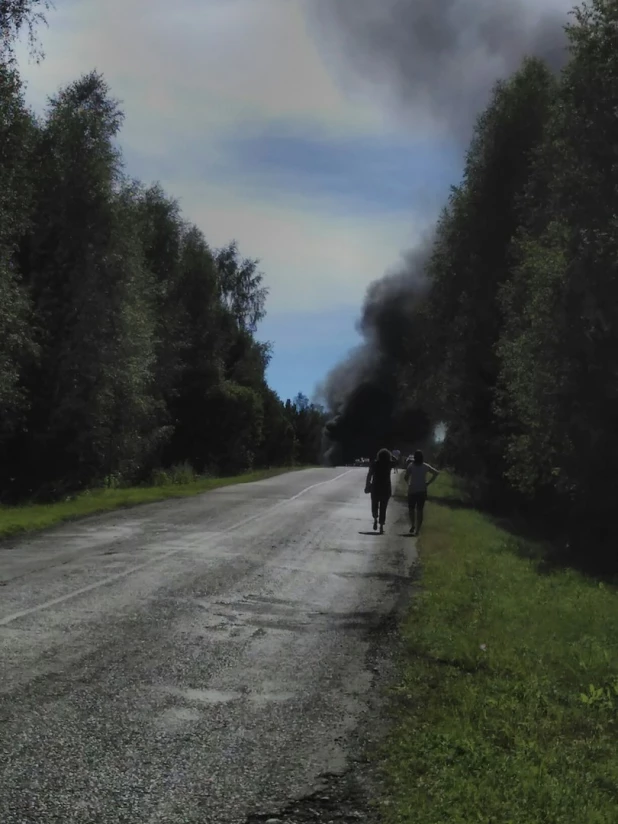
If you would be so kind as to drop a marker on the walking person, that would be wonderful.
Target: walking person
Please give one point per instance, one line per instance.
(416, 478)
(379, 485)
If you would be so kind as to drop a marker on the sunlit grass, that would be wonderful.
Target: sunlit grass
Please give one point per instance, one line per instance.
(17, 519)
(507, 709)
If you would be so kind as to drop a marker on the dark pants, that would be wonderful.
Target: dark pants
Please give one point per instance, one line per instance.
(416, 505)
(378, 507)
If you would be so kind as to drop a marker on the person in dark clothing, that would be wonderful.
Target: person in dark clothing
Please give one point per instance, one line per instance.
(379, 485)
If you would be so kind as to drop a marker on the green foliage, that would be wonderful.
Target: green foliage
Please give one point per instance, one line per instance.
(533, 333)
(240, 287)
(471, 262)
(17, 346)
(127, 346)
(17, 15)
(561, 316)
(520, 319)
(179, 474)
(236, 414)
(308, 422)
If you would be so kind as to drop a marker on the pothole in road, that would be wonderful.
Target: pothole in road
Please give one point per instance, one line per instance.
(270, 615)
(341, 799)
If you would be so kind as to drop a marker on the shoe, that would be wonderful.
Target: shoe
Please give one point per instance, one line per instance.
(412, 531)
(375, 524)
(381, 530)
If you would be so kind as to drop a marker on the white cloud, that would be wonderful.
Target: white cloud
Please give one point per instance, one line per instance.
(189, 70)
(311, 256)
(202, 64)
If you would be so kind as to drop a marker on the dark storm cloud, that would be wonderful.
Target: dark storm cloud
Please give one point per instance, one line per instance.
(437, 58)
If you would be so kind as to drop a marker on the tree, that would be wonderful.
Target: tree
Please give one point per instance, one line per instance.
(471, 261)
(203, 353)
(240, 285)
(308, 421)
(301, 403)
(559, 364)
(16, 15)
(83, 264)
(278, 438)
(125, 342)
(17, 134)
(236, 414)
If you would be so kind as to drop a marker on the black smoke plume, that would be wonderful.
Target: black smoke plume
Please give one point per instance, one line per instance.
(362, 391)
(436, 61)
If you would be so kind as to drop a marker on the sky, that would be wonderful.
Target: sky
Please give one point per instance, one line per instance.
(237, 109)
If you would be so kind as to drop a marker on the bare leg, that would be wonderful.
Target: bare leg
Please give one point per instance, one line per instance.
(383, 505)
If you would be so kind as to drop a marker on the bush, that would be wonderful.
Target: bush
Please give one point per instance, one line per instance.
(182, 474)
(113, 481)
(178, 474)
(160, 477)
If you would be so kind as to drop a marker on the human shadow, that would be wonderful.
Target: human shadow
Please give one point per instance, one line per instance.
(549, 547)
(373, 534)
(542, 537)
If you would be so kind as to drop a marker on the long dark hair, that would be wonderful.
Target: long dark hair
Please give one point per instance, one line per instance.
(383, 456)
(418, 457)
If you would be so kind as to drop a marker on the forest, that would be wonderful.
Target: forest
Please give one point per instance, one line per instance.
(127, 343)
(513, 339)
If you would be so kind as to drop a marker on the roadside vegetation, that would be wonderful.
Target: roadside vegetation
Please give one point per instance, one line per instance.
(507, 707)
(504, 328)
(179, 482)
(506, 711)
(127, 342)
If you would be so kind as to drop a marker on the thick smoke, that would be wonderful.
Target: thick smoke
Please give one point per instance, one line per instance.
(436, 62)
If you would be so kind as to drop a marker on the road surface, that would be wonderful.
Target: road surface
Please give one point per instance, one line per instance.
(198, 660)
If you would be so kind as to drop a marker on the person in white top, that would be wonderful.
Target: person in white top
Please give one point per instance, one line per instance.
(416, 478)
(396, 455)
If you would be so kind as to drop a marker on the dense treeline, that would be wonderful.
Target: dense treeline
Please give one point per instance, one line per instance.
(516, 336)
(127, 344)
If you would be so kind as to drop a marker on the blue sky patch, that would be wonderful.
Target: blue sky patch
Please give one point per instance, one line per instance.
(367, 173)
(307, 345)
(360, 175)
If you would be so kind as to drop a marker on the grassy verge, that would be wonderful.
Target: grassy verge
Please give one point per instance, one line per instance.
(507, 709)
(30, 517)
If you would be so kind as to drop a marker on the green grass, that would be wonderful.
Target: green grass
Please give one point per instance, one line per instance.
(31, 517)
(507, 708)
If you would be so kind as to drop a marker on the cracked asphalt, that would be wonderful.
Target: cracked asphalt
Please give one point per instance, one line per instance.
(197, 660)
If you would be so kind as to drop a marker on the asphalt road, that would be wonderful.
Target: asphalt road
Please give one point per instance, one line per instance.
(197, 660)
